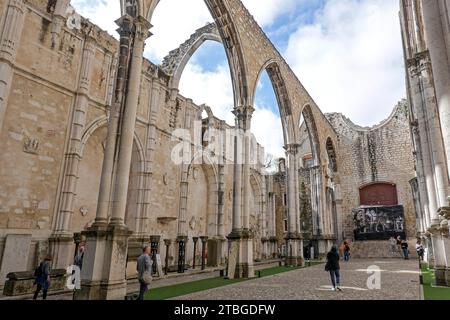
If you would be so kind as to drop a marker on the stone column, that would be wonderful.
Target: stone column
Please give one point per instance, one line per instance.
(293, 238)
(431, 148)
(103, 274)
(181, 240)
(129, 123)
(62, 238)
(184, 193)
(9, 42)
(167, 243)
(195, 239)
(240, 233)
(444, 213)
(204, 241)
(103, 205)
(434, 26)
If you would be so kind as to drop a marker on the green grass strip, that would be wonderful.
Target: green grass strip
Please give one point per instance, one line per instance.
(430, 292)
(182, 289)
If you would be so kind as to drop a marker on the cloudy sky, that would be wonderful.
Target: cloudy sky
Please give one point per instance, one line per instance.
(347, 53)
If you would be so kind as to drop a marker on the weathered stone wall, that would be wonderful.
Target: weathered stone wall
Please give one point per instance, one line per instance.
(382, 153)
(37, 143)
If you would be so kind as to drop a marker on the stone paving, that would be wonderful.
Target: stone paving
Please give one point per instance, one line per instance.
(399, 281)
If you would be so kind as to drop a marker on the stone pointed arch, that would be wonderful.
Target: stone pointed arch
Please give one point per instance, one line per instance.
(229, 36)
(175, 63)
(313, 133)
(332, 156)
(282, 95)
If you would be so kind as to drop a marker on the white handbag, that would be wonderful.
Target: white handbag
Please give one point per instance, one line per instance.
(147, 277)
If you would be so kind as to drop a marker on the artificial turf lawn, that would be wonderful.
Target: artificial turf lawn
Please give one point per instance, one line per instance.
(429, 292)
(182, 289)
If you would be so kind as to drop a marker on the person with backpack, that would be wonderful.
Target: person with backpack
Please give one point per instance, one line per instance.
(332, 266)
(78, 261)
(42, 274)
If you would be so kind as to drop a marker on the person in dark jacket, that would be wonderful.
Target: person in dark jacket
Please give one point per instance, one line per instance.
(42, 274)
(78, 261)
(404, 246)
(333, 267)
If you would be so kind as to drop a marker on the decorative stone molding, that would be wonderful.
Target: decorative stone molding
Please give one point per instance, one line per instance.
(31, 145)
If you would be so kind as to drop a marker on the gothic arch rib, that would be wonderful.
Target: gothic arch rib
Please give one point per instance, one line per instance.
(174, 63)
(229, 36)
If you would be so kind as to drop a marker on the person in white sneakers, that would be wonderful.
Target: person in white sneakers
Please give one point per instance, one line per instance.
(332, 266)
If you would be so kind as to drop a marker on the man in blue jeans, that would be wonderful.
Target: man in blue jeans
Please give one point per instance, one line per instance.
(333, 267)
(405, 249)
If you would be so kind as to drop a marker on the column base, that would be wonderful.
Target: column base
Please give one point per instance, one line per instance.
(440, 275)
(294, 244)
(62, 248)
(240, 256)
(104, 265)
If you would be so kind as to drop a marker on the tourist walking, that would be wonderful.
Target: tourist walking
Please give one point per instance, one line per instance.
(332, 266)
(399, 245)
(78, 261)
(42, 274)
(144, 269)
(405, 250)
(346, 251)
(420, 250)
(393, 245)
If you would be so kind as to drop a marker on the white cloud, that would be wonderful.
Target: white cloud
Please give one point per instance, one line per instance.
(350, 59)
(103, 13)
(266, 126)
(213, 88)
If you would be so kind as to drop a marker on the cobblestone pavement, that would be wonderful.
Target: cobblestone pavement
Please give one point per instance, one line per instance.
(189, 276)
(399, 281)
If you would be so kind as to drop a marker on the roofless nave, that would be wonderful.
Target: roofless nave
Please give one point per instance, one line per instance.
(87, 129)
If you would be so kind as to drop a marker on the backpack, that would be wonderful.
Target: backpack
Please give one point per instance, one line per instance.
(38, 271)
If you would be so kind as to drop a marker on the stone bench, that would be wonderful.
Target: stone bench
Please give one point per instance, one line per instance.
(22, 283)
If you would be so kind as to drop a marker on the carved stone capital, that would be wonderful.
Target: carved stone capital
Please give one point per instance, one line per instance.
(244, 113)
(292, 148)
(444, 212)
(419, 63)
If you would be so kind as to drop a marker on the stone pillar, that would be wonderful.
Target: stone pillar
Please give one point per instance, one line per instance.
(181, 240)
(241, 233)
(427, 128)
(9, 43)
(204, 241)
(103, 206)
(444, 229)
(61, 240)
(184, 194)
(154, 245)
(293, 238)
(434, 24)
(129, 123)
(103, 274)
(220, 202)
(167, 243)
(195, 239)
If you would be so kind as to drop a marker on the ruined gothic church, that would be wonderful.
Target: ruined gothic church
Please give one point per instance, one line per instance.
(88, 128)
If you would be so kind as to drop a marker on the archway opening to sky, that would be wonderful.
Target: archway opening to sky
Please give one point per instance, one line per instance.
(266, 123)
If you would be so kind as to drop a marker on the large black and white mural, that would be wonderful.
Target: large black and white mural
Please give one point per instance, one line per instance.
(379, 223)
